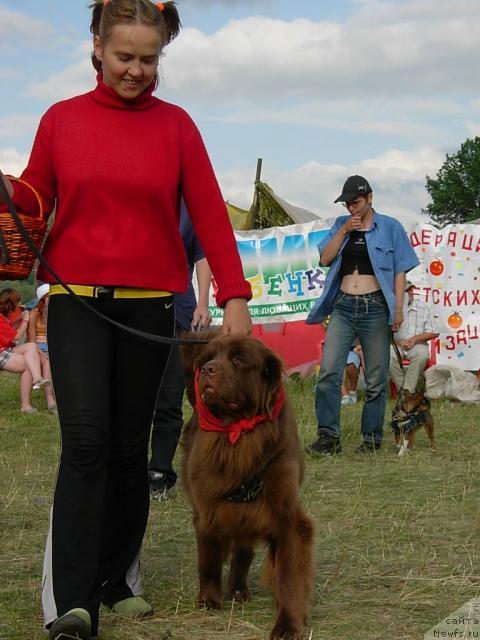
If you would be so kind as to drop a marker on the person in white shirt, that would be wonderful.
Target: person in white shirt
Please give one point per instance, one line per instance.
(417, 329)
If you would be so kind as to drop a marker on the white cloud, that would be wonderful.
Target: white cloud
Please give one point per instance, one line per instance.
(390, 69)
(386, 50)
(369, 116)
(12, 162)
(228, 3)
(13, 126)
(75, 79)
(473, 129)
(18, 30)
(397, 178)
(409, 48)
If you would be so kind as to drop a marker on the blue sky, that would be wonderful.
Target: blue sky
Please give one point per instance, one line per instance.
(319, 90)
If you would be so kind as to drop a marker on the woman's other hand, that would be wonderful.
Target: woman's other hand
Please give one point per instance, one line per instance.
(236, 317)
(397, 321)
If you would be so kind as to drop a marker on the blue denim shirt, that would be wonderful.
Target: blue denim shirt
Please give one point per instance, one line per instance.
(390, 253)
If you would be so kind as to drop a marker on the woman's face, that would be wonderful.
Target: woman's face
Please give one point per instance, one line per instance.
(129, 58)
(360, 206)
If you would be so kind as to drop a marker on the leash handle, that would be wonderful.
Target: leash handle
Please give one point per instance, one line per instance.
(38, 254)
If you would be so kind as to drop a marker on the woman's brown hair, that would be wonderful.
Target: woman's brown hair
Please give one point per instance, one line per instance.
(107, 15)
(9, 299)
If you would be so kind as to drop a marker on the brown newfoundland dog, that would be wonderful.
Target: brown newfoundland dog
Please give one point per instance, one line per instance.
(242, 470)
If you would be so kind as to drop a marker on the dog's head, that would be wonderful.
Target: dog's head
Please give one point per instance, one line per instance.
(238, 376)
(414, 402)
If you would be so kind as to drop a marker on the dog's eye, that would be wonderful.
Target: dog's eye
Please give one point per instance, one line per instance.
(238, 360)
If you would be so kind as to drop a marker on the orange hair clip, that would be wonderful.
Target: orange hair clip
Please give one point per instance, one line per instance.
(160, 6)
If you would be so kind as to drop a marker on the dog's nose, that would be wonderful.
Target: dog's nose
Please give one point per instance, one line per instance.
(210, 368)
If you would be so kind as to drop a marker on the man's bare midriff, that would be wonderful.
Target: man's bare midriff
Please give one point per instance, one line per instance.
(356, 284)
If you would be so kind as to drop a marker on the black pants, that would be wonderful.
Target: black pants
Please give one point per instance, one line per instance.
(168, 417)
(106, 382)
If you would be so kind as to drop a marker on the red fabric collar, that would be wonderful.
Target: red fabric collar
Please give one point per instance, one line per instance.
(106, 96)
(209, 422)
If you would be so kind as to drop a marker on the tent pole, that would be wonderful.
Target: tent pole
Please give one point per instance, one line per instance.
(254, 209)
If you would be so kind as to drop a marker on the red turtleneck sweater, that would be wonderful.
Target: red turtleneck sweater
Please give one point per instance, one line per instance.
(115, 169)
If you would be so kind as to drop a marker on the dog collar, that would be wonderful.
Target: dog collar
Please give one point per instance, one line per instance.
(209, 422)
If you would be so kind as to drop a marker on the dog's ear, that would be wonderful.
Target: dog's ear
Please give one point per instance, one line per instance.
(190, 353)
(272, 375)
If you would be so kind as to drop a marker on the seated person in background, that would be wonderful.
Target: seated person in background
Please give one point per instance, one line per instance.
(37, 333)
(168, 416)
(37, 322)
(19, 358)
(350, 376)
(412, 340)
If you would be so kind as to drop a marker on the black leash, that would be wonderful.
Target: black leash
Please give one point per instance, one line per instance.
(5, 258)
(402, 367)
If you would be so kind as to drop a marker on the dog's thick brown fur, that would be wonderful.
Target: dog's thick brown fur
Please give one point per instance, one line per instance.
(239, 378)
(417, 405)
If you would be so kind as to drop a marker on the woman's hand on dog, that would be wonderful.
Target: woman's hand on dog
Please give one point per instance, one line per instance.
(236, 317)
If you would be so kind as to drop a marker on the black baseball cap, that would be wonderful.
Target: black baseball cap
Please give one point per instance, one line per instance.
(354, 186)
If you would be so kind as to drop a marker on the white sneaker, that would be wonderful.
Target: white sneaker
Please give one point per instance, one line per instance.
(348, 400)
(43, 382)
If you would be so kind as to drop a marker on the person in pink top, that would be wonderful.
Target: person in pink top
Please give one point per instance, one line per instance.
(115, 162)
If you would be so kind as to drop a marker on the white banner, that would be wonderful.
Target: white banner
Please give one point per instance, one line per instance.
(448, 280)
(281, 264)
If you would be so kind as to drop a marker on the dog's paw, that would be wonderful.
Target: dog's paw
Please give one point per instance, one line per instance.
(287, 627)
(208, 602)
(282, 632)
(241, 595)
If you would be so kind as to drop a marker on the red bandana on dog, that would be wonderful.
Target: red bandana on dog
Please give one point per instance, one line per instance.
(208, 422)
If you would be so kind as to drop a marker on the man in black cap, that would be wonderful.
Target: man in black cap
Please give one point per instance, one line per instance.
(368, 254)
(355, 187)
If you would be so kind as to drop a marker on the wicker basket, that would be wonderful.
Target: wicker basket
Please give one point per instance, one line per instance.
(22, 259)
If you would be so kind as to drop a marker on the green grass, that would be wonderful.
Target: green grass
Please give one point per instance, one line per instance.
(397, 540)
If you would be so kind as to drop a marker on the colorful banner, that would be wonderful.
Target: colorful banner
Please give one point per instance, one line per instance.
(281, 264)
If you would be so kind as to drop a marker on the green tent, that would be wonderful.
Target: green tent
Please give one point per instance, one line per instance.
(268, 210)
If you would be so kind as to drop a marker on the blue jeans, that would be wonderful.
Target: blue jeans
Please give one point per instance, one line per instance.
(366, 317)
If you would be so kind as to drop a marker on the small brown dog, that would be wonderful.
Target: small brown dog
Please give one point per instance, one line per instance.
(414, 413)
(242, 470)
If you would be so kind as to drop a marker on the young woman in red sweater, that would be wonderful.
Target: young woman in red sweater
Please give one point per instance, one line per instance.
(115, 162)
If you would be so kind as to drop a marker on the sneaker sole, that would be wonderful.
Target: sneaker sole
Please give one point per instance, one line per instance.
(324, 453)
(70, 627)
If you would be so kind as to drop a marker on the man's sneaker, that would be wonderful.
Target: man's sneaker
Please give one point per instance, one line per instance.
(368, 446)
(75, 625)
(161, 488)
(325, 445)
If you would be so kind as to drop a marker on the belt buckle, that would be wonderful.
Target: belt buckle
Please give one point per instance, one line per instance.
(104, 292)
